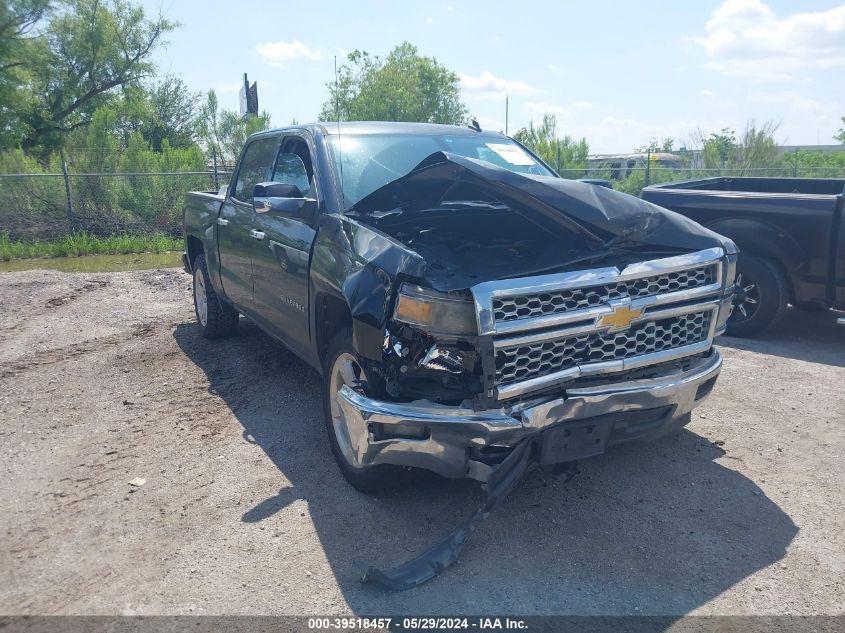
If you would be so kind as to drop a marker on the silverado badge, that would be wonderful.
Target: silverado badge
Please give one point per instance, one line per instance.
(620, 318)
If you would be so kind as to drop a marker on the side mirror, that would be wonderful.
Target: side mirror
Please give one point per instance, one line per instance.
(284, 199)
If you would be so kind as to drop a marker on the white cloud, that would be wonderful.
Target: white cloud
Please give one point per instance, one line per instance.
(795, 101)
(279, 53)
(557, 70)
(490, 123)
(617, 122)
(746, 37)
(429, 20)
(487, 86)
(228, 88)
(543, 107)
(707, 94)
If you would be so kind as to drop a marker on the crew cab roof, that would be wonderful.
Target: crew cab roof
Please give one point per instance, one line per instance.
(390, 127)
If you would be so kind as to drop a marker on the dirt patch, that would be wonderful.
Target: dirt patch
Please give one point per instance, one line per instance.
(94, 284)
(242, 509)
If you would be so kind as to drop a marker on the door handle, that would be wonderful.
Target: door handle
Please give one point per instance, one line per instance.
(259, 235)
(222, 222)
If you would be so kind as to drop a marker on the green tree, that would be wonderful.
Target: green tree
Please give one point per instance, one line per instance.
(404, 86)
(755, 148)
(224, 132)
(18, 37)
(665, 144)
(816, 164)
(841, 136)
(718, 149)
(564, 153)
(163, 110)
(68, 58)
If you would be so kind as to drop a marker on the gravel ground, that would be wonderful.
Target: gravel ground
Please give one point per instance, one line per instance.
(103, 379)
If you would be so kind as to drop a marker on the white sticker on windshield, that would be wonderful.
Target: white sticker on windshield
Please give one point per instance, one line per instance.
(511, 153)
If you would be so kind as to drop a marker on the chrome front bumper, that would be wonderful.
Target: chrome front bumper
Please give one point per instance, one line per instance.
(440, 438)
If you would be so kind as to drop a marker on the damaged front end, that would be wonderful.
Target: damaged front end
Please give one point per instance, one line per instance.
(503, 320)
(433, 414)
(532, 303)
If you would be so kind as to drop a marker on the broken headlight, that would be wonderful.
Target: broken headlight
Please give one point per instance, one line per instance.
(435, 311)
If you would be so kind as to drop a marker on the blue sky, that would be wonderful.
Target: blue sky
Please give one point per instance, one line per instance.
(618, 73)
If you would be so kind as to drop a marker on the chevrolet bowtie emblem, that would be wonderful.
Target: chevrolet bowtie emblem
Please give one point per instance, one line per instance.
(621, 318)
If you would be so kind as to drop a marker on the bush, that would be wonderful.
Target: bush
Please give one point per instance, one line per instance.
(84, 243)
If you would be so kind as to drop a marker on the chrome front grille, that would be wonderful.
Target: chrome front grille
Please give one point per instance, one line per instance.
(525, 362)
(527, 306)
(540, 332)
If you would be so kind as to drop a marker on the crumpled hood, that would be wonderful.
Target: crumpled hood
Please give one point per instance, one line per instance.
(473, 221)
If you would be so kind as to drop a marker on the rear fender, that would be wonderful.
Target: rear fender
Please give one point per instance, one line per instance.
(762, 239)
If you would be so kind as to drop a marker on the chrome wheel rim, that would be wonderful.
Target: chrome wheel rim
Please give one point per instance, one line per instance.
(200, 298)
(746, 300)
(345, 371)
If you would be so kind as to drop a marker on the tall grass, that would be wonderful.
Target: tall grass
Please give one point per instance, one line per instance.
(86, 244)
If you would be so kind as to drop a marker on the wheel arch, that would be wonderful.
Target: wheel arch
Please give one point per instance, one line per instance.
(194, 247)
(332, 314)
(763, 240)
(766, 241)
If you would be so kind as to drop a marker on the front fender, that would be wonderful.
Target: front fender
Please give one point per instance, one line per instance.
(363, 267)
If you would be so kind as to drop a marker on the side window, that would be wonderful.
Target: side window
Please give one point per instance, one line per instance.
(294, 167)
(255, 167)
(291, 170)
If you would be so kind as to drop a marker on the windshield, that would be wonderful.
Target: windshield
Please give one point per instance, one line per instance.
(370, 161)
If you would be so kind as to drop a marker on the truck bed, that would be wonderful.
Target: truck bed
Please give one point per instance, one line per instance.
(199, 217)
(798, 186)
(796, 222)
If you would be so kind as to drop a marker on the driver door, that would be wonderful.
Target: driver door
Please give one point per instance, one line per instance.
(282, 251)
(235, 220)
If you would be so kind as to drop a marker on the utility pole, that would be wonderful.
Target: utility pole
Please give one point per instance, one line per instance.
(506, 115)
(70, 216)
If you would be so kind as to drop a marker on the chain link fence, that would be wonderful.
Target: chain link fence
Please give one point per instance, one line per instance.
(40, 206)
(632, 179)
(47, 206)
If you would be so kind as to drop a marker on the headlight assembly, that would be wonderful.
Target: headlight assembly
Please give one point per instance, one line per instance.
(435, 311)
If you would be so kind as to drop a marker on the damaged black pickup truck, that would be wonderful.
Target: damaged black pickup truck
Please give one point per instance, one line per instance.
(458, 297)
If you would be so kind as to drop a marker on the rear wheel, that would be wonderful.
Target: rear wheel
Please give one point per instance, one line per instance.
(215, 317)
(341, 368)
(761, 296)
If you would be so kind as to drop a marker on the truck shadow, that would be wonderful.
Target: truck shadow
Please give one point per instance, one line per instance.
(810, 336)
(650, 528)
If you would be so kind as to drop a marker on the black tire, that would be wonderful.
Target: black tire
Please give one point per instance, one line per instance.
(221, 319)
(762, 296)
(372, 479)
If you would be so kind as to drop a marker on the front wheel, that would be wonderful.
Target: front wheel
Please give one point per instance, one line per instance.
(341, 368)
(761, 296)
